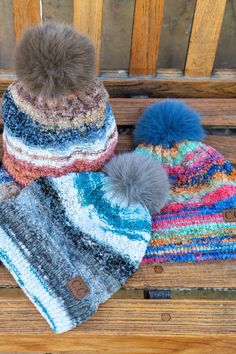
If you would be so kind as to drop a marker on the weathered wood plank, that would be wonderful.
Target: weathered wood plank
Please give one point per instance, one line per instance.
(148, 16)
(214, 112)
(128, 317)
(185, 275)
(7, 35)
(204, 37)
(168, 276)
(88, 19)
(57, 11)
(161, 87)
(26, 13)
(169, 83)
(225, 144)
(112, 344)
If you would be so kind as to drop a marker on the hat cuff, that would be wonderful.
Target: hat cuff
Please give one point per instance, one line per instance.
(43, 269)
(33, 285)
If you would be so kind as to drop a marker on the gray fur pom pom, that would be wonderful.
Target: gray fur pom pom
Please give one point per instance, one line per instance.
(138, 179)
(54, 59)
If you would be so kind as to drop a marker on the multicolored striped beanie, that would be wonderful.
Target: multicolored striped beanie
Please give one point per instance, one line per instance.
(199, 221)
(57, 116)
(72, 241)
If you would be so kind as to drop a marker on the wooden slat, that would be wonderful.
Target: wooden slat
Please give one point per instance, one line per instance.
(26, 13)
(169, 83)
(117, 344)
(88, 19)
(187, 88)
(169, 276)
(148, 16)
(225, 144)
(185, 275)
(204, 37)
(214, 112)
(127, 317)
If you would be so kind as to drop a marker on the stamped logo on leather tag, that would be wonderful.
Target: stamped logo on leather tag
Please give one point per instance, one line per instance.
(78, 287)
(229, 215)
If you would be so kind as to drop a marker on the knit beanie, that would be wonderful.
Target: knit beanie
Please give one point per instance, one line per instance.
(57, 116)
(199, 221)
(72, 241)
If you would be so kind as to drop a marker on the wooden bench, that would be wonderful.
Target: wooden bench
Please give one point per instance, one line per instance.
(169, 308)
(134, 319)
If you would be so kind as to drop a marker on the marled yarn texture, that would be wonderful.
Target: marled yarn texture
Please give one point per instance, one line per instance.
(53, 137)
(8, 187)
(191, 227)
(60, 228)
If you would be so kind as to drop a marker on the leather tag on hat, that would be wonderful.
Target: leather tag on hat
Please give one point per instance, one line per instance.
(78, 287)
(229, 215)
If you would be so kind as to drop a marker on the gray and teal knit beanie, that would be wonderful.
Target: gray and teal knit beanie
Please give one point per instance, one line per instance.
(72, 241)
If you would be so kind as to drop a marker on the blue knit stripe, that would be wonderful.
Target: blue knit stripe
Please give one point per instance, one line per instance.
(188, 211)
(4, 176)
(113, 215)
(199, 179)
(22, 126)
(196, 256)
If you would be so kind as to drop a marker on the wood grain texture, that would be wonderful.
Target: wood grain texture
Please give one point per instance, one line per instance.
(26, 13)
(225, 144)
(148, 15)
(7, 35)
(175, 33)
(214, 112)
(88, 19)
(57, 11)
(161, 87)
(127, 316)
(204, 37)
(184, 275)
(112, 344)
(168, 276)
(169, 83)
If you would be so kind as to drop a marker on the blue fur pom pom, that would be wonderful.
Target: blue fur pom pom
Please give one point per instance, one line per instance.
(168, 122)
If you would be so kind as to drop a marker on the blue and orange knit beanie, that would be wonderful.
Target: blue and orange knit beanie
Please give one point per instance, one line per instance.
(57, 116)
